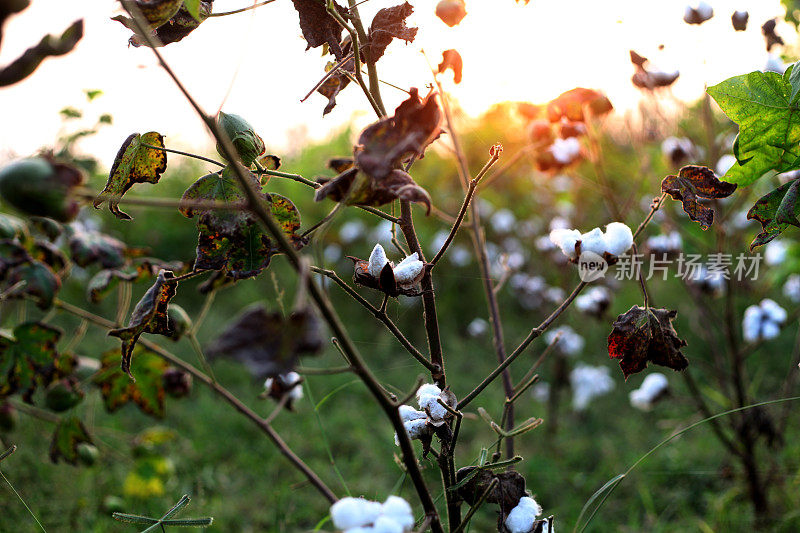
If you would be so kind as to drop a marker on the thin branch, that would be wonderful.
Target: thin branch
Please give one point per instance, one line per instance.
(241, 10)
(188, 154)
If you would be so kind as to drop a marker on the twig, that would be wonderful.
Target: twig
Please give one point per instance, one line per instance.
(240, 10)
(187, 154)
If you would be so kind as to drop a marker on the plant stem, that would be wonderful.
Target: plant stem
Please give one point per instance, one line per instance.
(241, 10)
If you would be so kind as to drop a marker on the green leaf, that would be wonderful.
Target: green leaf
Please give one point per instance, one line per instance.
(765, 106)
(69, 433)
(134, 163)
(234, 239)
(149, 316)
(118, 389)
(41, 282)
(193, 7)
(775, 211)
(31, 360)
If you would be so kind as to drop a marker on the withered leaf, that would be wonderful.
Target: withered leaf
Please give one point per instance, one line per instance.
(692, 183)
(355, 188)
(646, 335)
(451, 59)
(318, 26)
(118, 389)
(49, 46)
(235, 239)
(69, 433)
(149, 316)
(451, 12)
(389, 23)
(337, 81)
(574, 104)
(775, 211)
(768, 31)
(31, 360)
(104, 281)
(637, 59)
(384, 145)
(134, 163)
(268, 343)
(507, 493)
(647, 79)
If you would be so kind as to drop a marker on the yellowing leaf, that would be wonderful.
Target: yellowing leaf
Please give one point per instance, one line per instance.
(118, 389)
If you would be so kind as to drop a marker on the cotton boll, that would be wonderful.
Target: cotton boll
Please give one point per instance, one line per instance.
(653, 387)
(725, 163)
(791, 289)
(640, 400)
(773, 311)
(619, 238)
(569, 342)
(751, 323)
(438, 241)
(408, 413)
(503, 221)
(769, 330)
(544, 244)
(478, 327)
(415, 429)
(377, 260)
(365, 529)
(541, 392)
(385, 524)
(398, 510)
(589, 382)
(593, 241)
(774, 64)
(431, 403)
(565, 150)
(409, 269)
(594, 302)
(332, 253)
(428, 389)
(350, 513)
(459, 255)
(775, 252)
(522, 517)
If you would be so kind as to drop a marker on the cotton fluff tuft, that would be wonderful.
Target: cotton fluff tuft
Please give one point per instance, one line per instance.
(377, 260)
(763, 321)
(408, 269)
(565, 150)
(350, 513)
(522, 517)
(616, 240)
(428, 398)
(408, 413)
(651, 389)
(589, 382)
(358, 515)
(569, 342)
(791, 289)
(724, 164)
(290, 379)
(775, 252)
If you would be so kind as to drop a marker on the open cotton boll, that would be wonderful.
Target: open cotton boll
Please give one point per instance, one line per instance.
(409, 269)
(428, 389)
(653, 386)
(589, 382)
(773, 311)
(365, 529)
(408, 413)
(565, 239)
(751, 323)
(569, 342)
(415, 428)
(522, 517)
(791, 289)
(431, 403)
(775, 252)
(724, 164)
(398, 510)
(565, 150)
(619, 238)
(593, 241)
(350, 513)
(385, 524)
(770, 330)
(377, 260)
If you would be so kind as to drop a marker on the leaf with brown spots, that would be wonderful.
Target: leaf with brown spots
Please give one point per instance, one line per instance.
(30, 360)
(644, 335)
(389, 23)
(451, 59)
(775, 211)
(318, 26)
(179, 26)
(134, 163)
(69, 433)
(268, 343)
(693, 183)
(337, 81)
(118, 389)
(149, 316)
(234, 239)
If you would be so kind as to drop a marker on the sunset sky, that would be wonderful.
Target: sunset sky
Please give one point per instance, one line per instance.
(511, 52)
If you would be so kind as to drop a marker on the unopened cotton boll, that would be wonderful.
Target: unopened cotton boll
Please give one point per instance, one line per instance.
(350, 513)
(522, 517)
(377, 260)
(619, 238)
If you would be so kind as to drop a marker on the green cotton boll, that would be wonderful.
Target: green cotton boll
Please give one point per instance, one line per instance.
(179, 320)
(40, 186)
(249, 146)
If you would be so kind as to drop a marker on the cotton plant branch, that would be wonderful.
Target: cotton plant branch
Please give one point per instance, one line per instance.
(241, 10)
(317, 295)
(221, 391)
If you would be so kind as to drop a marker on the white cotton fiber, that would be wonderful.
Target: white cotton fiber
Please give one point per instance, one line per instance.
(791, 289)
(385, 524)
(398, 510)
(349, 513)
(589, 382)
(653, 386)
(428, 389)
(409, 269)
(565, 150)
(619, 238)
(431, 403)
(569, 342)
(725, 163)
(377, 260)
(565, 239)
(773, 311)
(408, 413)
(522, 517)
(763, 321)
(593, 241)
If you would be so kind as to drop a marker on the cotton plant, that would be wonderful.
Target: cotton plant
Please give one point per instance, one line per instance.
(594, 302)
(611, 243)
(588, 383)
(763, 321)
(421, 423)
(652, 389)
(569, 342)
(523, 518)
(359, 515)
